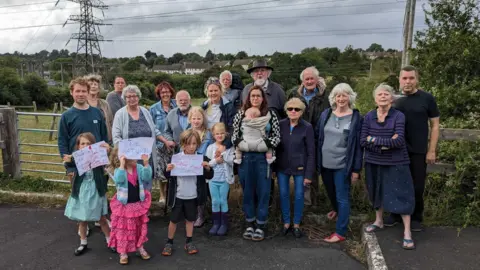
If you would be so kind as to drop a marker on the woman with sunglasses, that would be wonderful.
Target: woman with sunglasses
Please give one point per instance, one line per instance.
(295, 158)
(339, 154)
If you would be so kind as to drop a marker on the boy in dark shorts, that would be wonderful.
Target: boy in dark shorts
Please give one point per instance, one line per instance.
(185, 193)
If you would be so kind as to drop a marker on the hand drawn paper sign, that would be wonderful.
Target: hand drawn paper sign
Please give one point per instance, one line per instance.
(135, 148)
(90, 157)
(187, 165)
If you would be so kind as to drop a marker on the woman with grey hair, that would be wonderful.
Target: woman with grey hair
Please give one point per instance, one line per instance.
(387, 172)
(339, 154)
(134, 121)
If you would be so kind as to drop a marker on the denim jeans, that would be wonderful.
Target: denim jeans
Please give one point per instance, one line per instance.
(284, 186)
(219, 194)
(338, 180)
(255, 177)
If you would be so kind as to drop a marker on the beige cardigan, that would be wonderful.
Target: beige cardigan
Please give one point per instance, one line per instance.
(105, 108)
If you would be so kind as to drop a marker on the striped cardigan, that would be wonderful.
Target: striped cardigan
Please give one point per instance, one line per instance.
(121, 182)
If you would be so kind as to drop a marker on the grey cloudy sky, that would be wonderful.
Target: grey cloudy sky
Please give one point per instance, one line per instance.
(224, 26)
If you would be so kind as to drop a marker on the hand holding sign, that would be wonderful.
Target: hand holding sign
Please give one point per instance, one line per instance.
(187, 165)
(90, 157)
(136, 147)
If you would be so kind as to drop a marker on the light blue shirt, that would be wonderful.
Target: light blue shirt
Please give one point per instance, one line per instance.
(308, 97)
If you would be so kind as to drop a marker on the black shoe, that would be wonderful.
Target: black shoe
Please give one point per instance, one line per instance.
(390, 221)
(285, 230)
(416, 226)
(297, 232)
(80, 250)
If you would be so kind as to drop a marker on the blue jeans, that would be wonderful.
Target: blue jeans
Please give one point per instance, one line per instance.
(338, 180)
(284, 186)
(255, 179)
(219, 194)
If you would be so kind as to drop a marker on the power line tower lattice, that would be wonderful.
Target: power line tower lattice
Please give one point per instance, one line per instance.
(89, 56)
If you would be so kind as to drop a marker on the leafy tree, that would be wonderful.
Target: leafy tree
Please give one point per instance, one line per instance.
(38, 88)
(447, 54)
(209, 56)
(375, 47)
(11, 88)
(150, 54)
(241, 55)
(176, 58)
(131, 65)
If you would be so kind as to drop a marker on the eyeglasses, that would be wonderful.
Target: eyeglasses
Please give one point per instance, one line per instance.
(293, 109)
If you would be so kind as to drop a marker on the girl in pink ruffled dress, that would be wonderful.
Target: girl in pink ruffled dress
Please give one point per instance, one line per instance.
(130, 206)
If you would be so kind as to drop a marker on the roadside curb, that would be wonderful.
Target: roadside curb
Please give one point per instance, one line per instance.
(33, 194)
(375, 258)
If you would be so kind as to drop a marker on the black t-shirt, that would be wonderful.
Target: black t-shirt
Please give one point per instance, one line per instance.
(133, 193)
(418, 109)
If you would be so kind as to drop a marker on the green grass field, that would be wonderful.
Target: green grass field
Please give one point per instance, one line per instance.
(44, 122)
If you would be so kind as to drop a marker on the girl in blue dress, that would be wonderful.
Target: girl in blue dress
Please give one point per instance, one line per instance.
(88, 200)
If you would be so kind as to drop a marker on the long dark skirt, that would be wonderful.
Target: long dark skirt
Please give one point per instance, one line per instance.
(164, 157)
(390, 187)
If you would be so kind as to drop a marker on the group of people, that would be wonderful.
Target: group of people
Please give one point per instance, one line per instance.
(256, 133)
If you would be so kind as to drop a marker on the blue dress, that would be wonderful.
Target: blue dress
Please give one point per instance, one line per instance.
(89, 206)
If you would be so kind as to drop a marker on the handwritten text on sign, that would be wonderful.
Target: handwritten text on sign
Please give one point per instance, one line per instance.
(187, 165)
(136, 147)
(90, 157)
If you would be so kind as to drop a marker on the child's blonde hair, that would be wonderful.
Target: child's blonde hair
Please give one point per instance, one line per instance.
(87, 135)
(220, 127)
(199, 110)
(187, 135)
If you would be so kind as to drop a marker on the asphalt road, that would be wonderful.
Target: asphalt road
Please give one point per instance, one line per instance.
(34, 238)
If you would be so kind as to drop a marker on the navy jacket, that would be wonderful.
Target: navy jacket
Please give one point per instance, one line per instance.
(354, 157)
(296, 151)
(228, 113)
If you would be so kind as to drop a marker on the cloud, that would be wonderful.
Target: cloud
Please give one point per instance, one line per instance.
(167, 26)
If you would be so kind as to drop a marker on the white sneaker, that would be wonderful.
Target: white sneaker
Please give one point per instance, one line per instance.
(237, 161)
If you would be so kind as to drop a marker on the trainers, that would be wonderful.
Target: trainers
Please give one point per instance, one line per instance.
(390, 221)
(190, 248)
(416, 226)
(167, 250)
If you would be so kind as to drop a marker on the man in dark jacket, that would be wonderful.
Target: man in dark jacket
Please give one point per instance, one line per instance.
(260, 72)
(312, 93)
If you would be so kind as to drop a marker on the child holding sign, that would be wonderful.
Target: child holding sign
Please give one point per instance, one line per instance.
(185, 193)
(130, 205)
(220, 183)
(88, 201)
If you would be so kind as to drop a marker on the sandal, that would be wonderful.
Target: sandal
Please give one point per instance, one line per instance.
(144, 254)
(406, 242)
(338, 236)
(123, 259)
(258, 235)
(248, 234)
(167, 250)
(372, 228)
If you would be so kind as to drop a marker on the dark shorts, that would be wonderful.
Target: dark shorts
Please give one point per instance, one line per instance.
(184, 210)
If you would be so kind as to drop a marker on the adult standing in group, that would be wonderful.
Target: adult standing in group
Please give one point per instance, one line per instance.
(159, 111)
(95, 82)
(420, 109)
(177, 121)
(134, 121)
(389, 182)
(339, 154)
(217, 107)
(295, 158)
(254, 171)
(232, 87)
(274, 94)
(312, 91)
(114, 98)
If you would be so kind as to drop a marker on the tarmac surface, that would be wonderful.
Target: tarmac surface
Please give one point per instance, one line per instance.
(36, 238)
(436, 248)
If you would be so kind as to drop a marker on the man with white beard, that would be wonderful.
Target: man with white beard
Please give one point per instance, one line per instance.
(260, 72)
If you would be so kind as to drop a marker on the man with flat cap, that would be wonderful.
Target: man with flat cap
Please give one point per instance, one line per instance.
(260, 72)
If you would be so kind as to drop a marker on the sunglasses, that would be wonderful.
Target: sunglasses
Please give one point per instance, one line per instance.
(294, 109)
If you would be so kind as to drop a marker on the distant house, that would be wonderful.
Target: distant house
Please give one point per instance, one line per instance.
(221, 63)
(169, 69)
(242, 62)
(195, 68)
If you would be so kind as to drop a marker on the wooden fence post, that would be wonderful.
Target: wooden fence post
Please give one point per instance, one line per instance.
(35, 110)
(9, 136)
(8, 104)
(52, 125)
(61, 107)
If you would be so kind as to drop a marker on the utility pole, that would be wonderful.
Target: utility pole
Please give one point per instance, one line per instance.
(408, 23)
(89, 56)
(61, 72)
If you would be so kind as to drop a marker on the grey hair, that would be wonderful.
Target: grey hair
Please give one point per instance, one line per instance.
(386, 87)
(269, 72)
(313, 69)
(294, 102)
(183, 92)
(225, 72)
(131, 88)
(342, 88)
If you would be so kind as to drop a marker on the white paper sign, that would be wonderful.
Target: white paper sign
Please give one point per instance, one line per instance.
(90, 157)
(187, 165)
(135, 148)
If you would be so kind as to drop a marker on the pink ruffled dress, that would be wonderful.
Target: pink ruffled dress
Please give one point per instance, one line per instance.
(129, 221)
